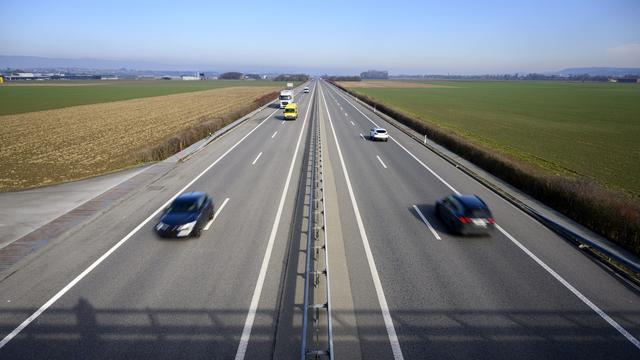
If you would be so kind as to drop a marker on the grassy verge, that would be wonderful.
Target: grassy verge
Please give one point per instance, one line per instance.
(612, 214)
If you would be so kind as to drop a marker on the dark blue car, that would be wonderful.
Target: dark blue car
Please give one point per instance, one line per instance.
(465, 214)
(186, 216)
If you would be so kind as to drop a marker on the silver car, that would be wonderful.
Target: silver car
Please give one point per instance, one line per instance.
(378, 134)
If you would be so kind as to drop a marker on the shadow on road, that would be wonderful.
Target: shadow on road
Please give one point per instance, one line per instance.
(87, 332)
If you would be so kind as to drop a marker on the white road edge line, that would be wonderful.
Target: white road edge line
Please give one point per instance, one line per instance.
(256, 159)
(546, 267)
(424, 219)
(384, 308)
(104, 256)
(253, 308)
(215, 216)
(575, 291)
(383, 165)
(274, 134)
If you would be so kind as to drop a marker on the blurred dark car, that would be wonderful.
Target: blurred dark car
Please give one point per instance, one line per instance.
(465, 214)
(186, 216)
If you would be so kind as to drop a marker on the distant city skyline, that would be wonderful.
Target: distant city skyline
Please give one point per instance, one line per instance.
(411, 37)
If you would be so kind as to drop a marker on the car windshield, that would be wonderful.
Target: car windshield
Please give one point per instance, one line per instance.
(182, 206)
(285, 97)
(477, 213)
(289, 110)
(381, 131)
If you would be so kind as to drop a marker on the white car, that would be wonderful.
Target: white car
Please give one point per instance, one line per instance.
(306, 89)
(378, 134)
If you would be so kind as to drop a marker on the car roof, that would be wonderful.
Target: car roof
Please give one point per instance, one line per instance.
(379, 128)
(195, 195)
(471, 201)
(291, 105)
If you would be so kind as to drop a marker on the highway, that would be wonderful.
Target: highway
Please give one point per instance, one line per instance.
(402, 286)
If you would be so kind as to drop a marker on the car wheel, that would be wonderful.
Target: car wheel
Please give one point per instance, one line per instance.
(197, 232)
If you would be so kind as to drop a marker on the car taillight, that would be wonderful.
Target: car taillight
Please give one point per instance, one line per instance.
(491, 220)
(464, 220)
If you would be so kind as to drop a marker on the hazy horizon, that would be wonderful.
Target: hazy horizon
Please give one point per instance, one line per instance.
(403, 37)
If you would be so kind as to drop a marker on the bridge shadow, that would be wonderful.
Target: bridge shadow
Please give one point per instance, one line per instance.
(87, 332)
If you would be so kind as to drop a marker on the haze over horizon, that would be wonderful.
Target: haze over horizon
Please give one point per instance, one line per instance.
(417, 37)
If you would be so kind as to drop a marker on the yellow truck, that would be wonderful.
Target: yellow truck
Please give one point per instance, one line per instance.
(291, 111)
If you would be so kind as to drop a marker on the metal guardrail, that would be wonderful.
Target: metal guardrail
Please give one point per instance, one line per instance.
(631, 267)
(317, 343)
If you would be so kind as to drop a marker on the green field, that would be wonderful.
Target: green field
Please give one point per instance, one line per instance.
(574, 129)
(22, 98)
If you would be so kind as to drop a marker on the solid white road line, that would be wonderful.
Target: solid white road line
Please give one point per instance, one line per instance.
(362, 136)
(104, 256)
(215, 216)
(546, 267)
(575, 291)
(274, 134)
(256, 159)
(253, 308)
(424, 219)
(384, 308)
(383, 165)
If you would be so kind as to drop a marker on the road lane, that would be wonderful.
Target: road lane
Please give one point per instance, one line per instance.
(483, 294)
(160, 298)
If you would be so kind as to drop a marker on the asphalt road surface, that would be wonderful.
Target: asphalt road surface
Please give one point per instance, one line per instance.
(112, 289)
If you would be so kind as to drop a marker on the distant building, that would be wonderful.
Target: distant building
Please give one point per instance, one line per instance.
(628, 80)
(374, 75)
(195, 76)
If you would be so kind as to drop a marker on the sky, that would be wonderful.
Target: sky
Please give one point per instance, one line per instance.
(327, 36)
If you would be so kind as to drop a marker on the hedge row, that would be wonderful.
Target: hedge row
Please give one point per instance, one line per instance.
(186, 137)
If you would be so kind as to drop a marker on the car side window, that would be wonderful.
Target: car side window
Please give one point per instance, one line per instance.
(201, 202)
(455, 205)
(447, 204)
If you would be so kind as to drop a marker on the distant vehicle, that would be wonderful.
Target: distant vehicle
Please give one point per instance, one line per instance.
(306, 89)
(465, 214)
(291, 111)
(286, 97)
(378, 134)
(186, 216)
